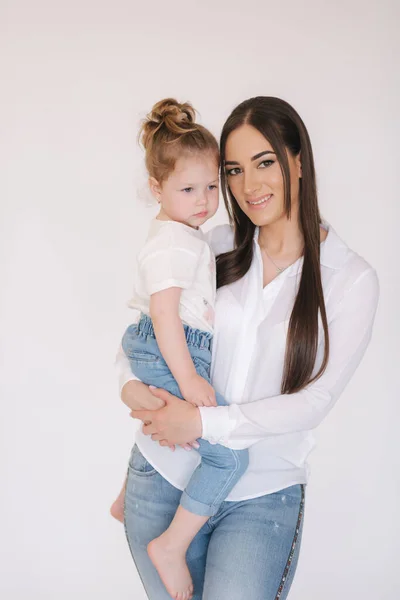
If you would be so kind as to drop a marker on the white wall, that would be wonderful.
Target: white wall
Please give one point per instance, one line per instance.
(76, 77)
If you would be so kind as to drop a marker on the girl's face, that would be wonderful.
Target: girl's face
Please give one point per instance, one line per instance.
(255, 179)
(190, 194)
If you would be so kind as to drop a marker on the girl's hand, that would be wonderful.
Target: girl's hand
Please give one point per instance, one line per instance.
(178, 422)
(198, 391)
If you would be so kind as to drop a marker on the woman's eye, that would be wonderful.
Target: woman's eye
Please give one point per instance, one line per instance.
(234, 171)
(266, 163)
(187, 190)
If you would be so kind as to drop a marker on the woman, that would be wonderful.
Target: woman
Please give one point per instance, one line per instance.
(294, 316)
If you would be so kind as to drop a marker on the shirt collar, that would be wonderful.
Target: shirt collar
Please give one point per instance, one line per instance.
(158, 224)
(334, 252)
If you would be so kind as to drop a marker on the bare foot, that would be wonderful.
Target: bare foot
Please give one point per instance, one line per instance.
(172, 568)
(117, 509)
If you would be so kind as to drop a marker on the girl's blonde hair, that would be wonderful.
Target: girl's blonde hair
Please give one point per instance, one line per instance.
(170, 131)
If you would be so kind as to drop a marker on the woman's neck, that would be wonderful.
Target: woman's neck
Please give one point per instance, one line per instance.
(282, 238)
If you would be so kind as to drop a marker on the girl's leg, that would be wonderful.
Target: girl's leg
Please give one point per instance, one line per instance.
(117, 507)
(254, 547)
(211, 482)
(168, 552)
(150, 505)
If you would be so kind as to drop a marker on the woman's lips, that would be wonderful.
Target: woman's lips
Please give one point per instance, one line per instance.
(259, 203)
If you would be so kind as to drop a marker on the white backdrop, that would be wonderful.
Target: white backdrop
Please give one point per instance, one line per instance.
(76, 77)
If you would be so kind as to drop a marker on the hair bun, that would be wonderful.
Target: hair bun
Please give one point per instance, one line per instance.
(177, 118)
(171, 112)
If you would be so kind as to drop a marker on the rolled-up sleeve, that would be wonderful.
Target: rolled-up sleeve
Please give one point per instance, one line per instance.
(350, 329)
(123, 368)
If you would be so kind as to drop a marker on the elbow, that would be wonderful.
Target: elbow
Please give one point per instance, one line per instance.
(319, 406)
(128, 393)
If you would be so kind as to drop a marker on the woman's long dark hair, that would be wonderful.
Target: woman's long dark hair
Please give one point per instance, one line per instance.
(280, 124)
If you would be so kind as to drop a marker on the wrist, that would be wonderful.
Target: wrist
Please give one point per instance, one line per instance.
(186, 380)
(199, 422)
(137, 396)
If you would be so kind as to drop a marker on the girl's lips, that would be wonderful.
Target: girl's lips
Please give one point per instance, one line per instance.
(201, 214)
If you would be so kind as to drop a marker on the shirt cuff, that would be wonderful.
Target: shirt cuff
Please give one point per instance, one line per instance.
(217, 424)
(124, 378)
(123, 369)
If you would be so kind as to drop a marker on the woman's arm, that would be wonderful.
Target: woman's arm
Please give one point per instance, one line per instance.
(240, 426)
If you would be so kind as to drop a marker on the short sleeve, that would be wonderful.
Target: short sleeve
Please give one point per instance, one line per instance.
(170, 262)
(221, 239)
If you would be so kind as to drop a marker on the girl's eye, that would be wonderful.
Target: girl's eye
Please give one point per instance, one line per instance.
(187, 190)
(232, 172)
(212, 187)
(266, 163)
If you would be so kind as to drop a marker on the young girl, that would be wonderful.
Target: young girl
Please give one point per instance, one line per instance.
(170, 345)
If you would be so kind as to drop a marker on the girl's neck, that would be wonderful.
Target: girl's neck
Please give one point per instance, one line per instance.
(162, 216)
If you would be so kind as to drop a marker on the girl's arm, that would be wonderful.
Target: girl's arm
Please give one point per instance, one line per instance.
(240, 426)
(170, 335)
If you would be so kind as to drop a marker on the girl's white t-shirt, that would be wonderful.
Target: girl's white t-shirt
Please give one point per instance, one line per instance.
(176, 255)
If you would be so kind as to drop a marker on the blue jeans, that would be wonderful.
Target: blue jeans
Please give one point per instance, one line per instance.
(220, 468)
(248, 550)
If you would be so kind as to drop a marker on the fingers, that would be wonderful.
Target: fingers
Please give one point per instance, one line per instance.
(195, 401)
(191, 445)
(150, 429)
(160, 393)
(205, 401)
(142, 415)
(167, 445)
(209, 401)
(212, 398)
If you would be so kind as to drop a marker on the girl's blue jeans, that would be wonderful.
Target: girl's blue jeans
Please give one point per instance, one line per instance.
(220, 467)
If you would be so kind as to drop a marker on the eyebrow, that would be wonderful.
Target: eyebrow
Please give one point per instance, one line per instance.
(259, 155)
(193, 184)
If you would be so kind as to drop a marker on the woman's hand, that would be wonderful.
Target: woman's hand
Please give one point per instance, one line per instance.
(177, 422)
(137, 395)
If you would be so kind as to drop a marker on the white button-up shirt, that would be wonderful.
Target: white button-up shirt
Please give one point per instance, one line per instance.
(251, 324)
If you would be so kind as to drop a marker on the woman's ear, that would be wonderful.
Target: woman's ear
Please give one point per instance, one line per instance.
(155, 188)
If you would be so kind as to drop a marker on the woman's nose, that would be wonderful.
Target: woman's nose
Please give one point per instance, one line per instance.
(250, 183)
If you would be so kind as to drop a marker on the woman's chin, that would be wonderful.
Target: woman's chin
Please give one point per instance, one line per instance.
(262, 218)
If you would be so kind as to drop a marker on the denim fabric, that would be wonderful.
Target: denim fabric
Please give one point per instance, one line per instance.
(220, 467)
(247, 551)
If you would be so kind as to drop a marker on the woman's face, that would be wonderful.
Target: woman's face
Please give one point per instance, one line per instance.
(255, 179)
